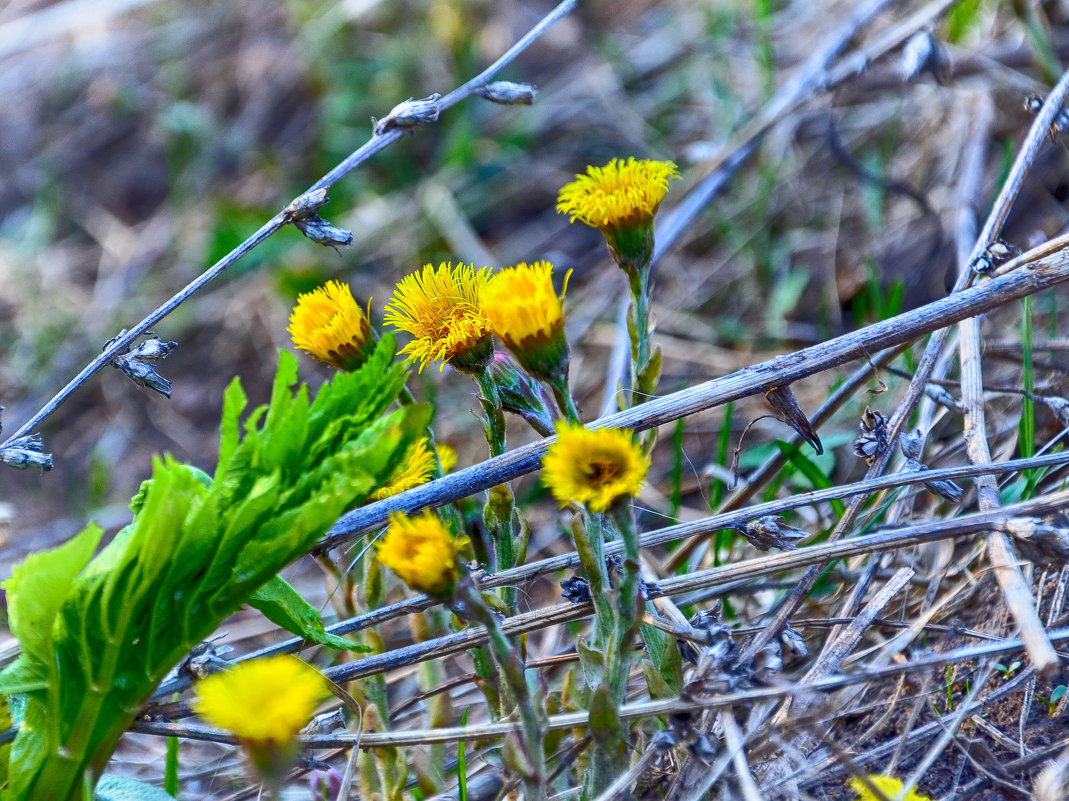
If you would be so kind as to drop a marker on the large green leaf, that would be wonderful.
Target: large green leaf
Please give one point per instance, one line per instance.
(38, 586)
(97, 638)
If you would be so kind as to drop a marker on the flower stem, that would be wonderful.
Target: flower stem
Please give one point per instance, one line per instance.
(638, 327)
(609, 749)
(494, 423)
(500, 504)
(565, 401)
(628, 615)
(590, 545)
(531, 761)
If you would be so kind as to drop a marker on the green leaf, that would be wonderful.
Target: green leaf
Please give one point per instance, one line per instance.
(664, 664)
(655, 683)
(671, 666)
(30, 748)
(97, 636)
(234, 402)
(605, 724)
(654, 639)
(119, 788)
(284, 606)
(962, 18)
(38, 587)
(810, 468)
(592, 662)
(23, 676)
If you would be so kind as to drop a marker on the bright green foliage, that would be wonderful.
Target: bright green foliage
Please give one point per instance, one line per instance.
(284, 606)
(98, 636)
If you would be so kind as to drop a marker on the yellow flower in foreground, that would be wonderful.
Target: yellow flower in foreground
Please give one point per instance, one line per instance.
(441, 309)
(528, 317)
(416, 469)
(422, 551)
(622, 194)
(331, 327)
(888, 785)
(265, 702)
(594, 467)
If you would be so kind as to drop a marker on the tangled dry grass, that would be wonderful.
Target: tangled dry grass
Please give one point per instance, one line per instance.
(826, 189)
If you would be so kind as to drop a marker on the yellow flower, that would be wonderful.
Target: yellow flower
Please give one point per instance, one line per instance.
(526, 314)
(441, 309)
(422, 551)
(331, 327)
(888, 785)
(593, 467)
(447, 457)
(416, 469)
(622, 194)
(265, 702)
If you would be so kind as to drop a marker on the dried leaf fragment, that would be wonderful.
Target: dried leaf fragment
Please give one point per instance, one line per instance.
(319, 230)
(407, 115)
(873, 439)
(26, 452)
(769, 532)
(783, 400)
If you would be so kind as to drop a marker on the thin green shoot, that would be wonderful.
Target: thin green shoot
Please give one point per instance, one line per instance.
(462, 770)
(170, 765)
(1028, 411)
(723, 539)
(676, 496)
(950, 688)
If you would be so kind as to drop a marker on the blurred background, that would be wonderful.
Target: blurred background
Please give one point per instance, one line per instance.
(142, 140)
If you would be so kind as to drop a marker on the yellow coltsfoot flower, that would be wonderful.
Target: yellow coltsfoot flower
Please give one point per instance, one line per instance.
(621, 200)
(265, 702)
(889, 786)
(528, 316)
(441, 308)
(594, 467)
(329, 325)
(416, 469)
(422, 551)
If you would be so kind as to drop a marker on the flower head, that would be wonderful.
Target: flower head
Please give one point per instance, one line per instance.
(441, 309)
(526, 314)
(889, 786)
(416, 469)
(265, 702)
(594, 467)
(622, 194)
(331, 327)
(422, 551)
